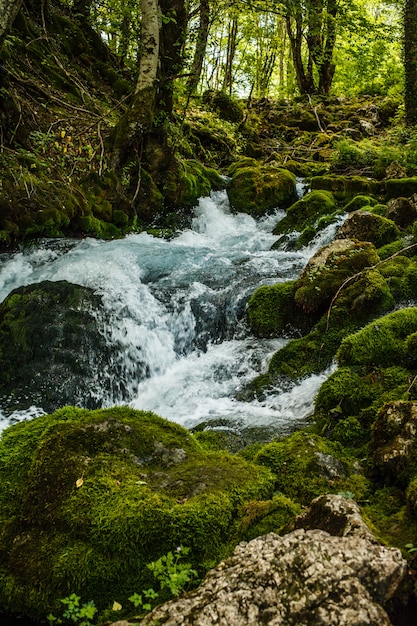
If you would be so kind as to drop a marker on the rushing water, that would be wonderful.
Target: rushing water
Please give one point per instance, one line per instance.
(178, 308)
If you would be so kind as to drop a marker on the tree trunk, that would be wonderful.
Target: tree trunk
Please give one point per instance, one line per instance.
(231, 50)
(200, 46)
(305, 80)
(8, 12)
(138, 119)
(410, 61)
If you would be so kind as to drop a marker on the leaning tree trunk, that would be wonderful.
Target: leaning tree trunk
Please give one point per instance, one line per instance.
(410, 61)
(8, 12)
(231, 51)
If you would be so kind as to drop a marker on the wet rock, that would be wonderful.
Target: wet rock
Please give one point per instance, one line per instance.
(50, 346)
(328, 269)
(393, 445)
(339, 516)
(365, 226)
(304, 578)
(402, 211)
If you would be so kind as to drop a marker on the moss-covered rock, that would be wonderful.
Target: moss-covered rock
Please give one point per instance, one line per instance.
(381, 343)
(188, 180)
(257, 190)
(400, 187)
(272, 311)
(327, 270)
(365, 226)
(50, 346)
(306, 465)
(306, 211)
(88, 498)
(359, 202)
(345, 188)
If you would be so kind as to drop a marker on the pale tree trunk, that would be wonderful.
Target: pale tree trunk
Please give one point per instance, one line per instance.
(8, 12)
(130, 131)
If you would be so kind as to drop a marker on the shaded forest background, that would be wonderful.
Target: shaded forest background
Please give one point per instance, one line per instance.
(116, 115)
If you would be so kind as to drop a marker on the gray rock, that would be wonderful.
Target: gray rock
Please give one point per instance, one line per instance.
(305, 578)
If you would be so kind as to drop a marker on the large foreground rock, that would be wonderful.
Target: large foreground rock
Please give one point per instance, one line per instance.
(305, 578)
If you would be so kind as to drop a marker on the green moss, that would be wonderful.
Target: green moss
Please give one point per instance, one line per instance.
(359, 202)
(189, 180)
(347, 402)
(98, 228)
(272, 311)
(306, 211)
(306, 465)
(257, 190)
(145, 485)
(329, 268)
(400, 187)
(381, 343)
(263, 516)
(346, 187)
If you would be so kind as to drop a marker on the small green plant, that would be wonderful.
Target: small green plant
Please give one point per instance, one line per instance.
(171, 572)
(74, 612)
(142, 600)
(411, 548)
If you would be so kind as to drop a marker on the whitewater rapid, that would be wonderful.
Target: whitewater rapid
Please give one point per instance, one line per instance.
(178, 307)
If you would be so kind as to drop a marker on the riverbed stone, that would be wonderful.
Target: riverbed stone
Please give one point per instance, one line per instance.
(366, 226)
(259, 189)
(50, 346)
(305, 578)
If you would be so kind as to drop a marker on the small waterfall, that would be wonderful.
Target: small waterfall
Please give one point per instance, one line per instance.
(173, 315)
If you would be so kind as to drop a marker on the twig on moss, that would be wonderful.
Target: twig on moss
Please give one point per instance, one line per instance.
(358, 274)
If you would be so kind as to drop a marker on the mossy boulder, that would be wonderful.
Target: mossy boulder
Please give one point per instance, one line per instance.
(345, 188)
(327, 270)
(381, 343)
(365, 226)
(188, 180)
(272, 311)
(87, 499)
(400, 187)
(306, 211)
(306, 466)
(50, 346)
(257, 190)
(359, 202)
(360, 301)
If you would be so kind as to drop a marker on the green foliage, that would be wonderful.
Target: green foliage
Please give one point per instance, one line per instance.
(171, 572)
(74, 612)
